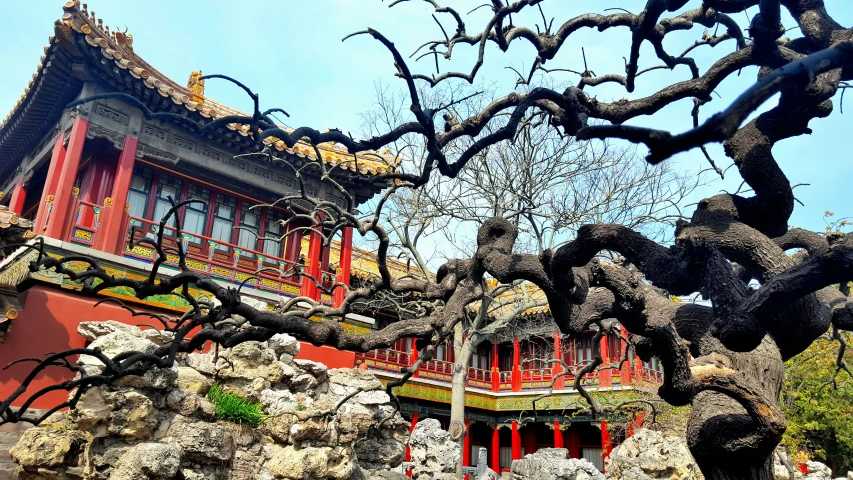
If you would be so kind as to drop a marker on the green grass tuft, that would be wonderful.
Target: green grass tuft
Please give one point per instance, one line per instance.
(234, 408)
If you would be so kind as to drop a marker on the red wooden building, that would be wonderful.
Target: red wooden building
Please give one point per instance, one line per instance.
(93, 178)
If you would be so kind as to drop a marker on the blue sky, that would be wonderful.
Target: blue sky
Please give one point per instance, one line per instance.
(291, 54)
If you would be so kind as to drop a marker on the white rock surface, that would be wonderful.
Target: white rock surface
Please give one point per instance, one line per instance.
(649, 455)
(554, 464)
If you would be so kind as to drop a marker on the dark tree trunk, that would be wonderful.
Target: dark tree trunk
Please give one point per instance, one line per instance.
(760, 469)
(721, 434)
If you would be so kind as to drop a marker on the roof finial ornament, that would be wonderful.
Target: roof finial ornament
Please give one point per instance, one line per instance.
(196, 86)
(100, 24)
(86, 9)
(124, 40)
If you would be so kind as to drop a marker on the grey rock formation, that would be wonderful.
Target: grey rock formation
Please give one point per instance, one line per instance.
(161, 425)
(155, 461)
(554, 464)
(649, 455)
(434, 454)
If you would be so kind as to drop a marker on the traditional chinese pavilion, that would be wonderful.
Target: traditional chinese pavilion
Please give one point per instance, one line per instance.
(93, 178)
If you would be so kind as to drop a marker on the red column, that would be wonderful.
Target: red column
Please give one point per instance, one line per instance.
(606, 443)
(496, 449)
(312, 267)
(625, 371)
(67, 175)
(411, 428)
(110, 235)
(466, 446)
(57, 159)
(636, 423)
(529, 440)
(344, 265)
(604, 373)
(516, 365)
(557, 368)
(516, 442)
(558, 435)
(496, 372)
(413, 357)
(19, 194)
(574, 444)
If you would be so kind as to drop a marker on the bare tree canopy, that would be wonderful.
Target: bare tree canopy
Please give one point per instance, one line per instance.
(765, 306)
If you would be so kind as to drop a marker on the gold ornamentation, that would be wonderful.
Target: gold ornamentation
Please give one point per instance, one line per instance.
(50, 198)
(108, 202)
(127, 207)
(83, 235)
(220, 271)
(75, 192)
(196, 265)
(196, 86)
(139, 250)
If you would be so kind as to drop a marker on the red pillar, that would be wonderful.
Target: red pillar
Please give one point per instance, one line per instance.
(413, 357)
(309, 287)
(19, 194)
(529, 440)
(110, 235)
(604, 374)
(557, 368)
(558, 435)
(516, 365)
(57, 159)
(344, 266)
(635, 424)
(67, 175)
(496, 449)
(466, 446)
(625, 371)
(411, 429)
(606, 443)
(574, 444)
(496, 373)
(516, 442)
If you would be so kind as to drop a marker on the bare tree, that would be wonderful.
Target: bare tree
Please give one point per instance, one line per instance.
(545, 184)
(739, 342)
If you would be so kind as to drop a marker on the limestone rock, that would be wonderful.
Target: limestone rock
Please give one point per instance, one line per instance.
(159, 337)
(344, 381)
(92, 330)
(45, 447)
(554, 464)
(201, 441)
(251, 360)
(277, 402)
(191, 380)
(155, 461)
(134, 416)
(114, 343)
(160, 425)
(310, 462)
(649, 455)
(282, 343)
(817, 471)
(433, 453)
(156, 378)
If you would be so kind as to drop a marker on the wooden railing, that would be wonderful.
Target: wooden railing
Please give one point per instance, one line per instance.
(216, 257)
(652, 375)
(85, 223)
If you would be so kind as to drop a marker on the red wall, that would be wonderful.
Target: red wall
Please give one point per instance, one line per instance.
(331, 357)
(48, 323)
